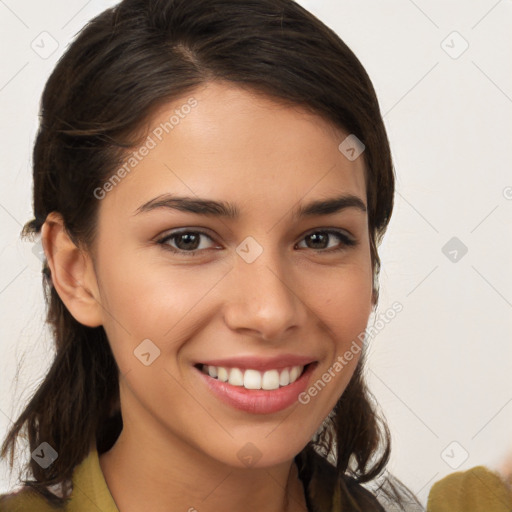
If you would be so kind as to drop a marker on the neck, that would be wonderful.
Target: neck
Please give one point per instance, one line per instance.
(163, 476)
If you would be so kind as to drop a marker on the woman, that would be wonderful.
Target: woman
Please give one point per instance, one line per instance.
(211, 182)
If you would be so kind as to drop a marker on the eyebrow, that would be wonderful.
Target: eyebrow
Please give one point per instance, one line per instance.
(209, 207)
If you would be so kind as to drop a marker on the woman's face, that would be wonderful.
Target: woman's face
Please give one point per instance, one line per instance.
(265, 289)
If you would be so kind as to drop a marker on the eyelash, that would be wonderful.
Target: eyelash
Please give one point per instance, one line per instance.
(346, 241)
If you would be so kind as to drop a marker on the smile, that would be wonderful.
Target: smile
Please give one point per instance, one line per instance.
(254, 379)
(256, 391)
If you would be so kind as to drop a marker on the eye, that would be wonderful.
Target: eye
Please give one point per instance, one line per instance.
(186, 241)
(320, 238)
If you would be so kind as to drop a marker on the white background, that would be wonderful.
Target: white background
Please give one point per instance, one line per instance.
(442, 368)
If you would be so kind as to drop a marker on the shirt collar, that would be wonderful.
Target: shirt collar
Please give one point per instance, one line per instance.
(90, 491)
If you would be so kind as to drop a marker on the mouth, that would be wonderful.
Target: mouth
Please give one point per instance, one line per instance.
(254, 379)
(256, 391)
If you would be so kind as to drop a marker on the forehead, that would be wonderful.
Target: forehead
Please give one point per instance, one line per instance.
(232, 144)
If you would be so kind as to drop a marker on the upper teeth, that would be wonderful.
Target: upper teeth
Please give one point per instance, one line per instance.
(253, 379)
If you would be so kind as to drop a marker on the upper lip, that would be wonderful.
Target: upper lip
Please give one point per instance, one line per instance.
(261, 363)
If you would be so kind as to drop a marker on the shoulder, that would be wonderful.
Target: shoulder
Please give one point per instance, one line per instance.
(475, 489)
(87, 486)
(24, 500)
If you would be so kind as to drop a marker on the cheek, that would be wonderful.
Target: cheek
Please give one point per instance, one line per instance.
(151, 301)
(342, 301)
(342, 306)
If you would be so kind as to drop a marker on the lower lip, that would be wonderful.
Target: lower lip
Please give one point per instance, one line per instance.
(258, 401)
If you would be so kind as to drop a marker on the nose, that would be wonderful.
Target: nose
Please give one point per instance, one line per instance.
(264, 301)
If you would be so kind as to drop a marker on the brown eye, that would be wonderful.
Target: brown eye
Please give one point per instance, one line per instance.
(185, 242)
(319, 240)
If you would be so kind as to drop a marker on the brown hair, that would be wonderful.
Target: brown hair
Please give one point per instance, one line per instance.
(124, 64)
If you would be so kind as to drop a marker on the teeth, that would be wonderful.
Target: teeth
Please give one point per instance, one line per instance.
(253, 379)
(270, 380)
(236, 377)
(294, 373)
(222, 374)
(284, 377)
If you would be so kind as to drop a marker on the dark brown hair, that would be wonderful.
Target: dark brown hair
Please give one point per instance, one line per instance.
(124, 64)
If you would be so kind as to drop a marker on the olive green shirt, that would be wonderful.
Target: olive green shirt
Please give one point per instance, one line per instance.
(90, 492)
(475, 490)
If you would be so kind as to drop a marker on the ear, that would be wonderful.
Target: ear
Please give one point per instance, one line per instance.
(72, 272)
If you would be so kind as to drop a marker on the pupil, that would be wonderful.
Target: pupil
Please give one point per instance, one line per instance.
(188, 237)
(317, 236)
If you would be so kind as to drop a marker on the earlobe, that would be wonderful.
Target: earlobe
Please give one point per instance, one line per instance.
(72, 272)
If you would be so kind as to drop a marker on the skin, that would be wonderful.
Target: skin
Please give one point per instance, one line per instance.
(178, 448)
